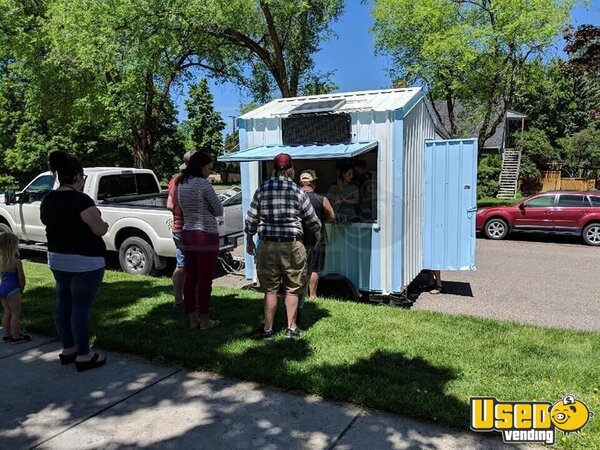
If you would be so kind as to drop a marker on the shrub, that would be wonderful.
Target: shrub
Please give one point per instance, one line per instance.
(537, 153)
(488, 174)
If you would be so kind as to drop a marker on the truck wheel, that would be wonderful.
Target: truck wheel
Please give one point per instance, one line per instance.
(4, 228)
(136, 256)
(496, 229)
(591, 234)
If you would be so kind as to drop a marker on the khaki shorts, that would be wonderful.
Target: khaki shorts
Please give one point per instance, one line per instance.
(281, 263)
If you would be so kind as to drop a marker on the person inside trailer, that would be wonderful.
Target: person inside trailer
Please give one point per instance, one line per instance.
(366, 186)
(344, 195)
(315, 250)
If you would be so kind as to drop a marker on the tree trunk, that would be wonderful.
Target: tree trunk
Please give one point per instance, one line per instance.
(451, 115)
(141, 154)
(480, 143)
(143, 135)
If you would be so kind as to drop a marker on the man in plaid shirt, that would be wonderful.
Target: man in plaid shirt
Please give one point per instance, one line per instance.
(278, 209)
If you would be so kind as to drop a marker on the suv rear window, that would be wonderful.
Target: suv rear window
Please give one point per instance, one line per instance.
(127, 184)
(572, 201)
(595, 201)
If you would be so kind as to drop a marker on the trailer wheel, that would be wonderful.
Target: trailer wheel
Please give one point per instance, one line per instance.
(136, 256)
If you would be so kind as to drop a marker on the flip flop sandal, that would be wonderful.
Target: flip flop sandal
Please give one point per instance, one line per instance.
(178, 306)
(82, 366)
(210, 327)
(67, 359)
(22, 338)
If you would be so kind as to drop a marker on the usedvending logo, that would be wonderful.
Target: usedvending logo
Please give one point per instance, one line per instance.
(523, 422)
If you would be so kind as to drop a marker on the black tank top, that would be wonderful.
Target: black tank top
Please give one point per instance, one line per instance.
(316, 201)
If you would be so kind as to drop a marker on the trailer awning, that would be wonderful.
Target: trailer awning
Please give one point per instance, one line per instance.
(327, 151)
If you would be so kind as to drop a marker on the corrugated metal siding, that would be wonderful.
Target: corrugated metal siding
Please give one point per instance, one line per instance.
(418, 126)
(350, 253)
(394, 247)
(262, 131)
(450, 204)
(246, 194)
(384, 133)
(380, 100)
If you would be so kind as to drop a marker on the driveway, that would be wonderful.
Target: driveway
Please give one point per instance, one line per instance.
(548, 281)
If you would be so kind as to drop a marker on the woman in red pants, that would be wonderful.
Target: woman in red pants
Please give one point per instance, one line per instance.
(201, 206)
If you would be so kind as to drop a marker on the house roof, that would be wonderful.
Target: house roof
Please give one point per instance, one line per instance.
(380, 100)
(469, 129)
(515, 115)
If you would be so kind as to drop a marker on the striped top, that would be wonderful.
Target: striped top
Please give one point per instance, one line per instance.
(200, 205)
(278, 210)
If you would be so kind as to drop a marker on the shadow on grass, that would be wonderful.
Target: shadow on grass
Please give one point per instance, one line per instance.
(135, 316)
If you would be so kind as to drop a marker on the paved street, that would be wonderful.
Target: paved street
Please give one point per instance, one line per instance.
(548, 281)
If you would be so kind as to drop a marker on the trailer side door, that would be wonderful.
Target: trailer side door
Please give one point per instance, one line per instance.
(450, 204)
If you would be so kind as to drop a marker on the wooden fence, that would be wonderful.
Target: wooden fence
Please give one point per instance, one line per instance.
(553, 181)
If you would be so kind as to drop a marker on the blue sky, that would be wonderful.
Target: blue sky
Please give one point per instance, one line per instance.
(352, 58)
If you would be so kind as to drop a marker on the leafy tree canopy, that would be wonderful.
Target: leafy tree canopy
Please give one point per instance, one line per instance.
(467, 50)
(204, 126)
(580, 153)
(583, 50)
(547, 94)
(536, 153)
(117, 62)
(280, 38)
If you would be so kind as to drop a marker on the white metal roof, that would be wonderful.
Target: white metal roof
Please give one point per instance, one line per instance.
(382, 100)
(515, 115)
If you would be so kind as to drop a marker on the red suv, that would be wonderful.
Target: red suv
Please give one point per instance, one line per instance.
(559, 212)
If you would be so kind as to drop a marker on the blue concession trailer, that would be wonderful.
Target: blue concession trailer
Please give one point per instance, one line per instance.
(423, 188)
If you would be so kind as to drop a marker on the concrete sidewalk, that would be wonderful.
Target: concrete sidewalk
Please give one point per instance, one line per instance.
(131, 403)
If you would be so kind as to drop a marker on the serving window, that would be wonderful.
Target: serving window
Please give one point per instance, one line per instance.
(354, 200)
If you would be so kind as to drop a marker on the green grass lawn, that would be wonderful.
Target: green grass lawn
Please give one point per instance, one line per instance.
(419, 364)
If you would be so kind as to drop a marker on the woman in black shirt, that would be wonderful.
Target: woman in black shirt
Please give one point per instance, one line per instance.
(76, 251)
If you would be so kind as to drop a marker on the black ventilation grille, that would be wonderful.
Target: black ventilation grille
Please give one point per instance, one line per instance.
(316, 129)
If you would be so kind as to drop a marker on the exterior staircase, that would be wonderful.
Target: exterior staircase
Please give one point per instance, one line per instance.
(511, 163)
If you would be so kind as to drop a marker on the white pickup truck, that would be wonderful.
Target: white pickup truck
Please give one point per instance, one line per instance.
(131, 202)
